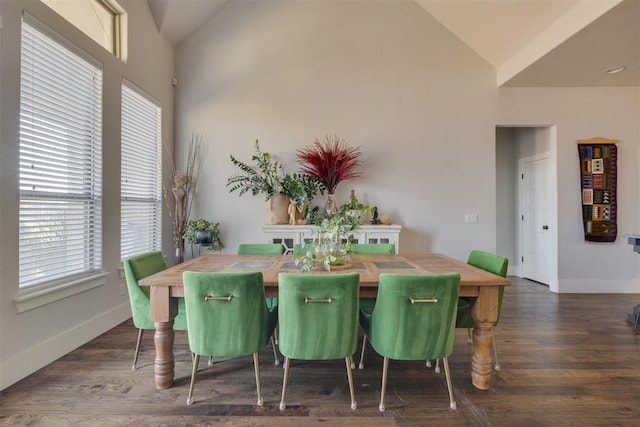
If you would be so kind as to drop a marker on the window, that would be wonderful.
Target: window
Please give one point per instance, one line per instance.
(60, 236)
(98, 19)
(141, 186)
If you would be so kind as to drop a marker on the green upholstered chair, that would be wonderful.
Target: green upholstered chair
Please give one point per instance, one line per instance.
(497, 265)
(368, 303)
(301, 248)
(264, 249)
(137, 268)
(260, 249)
(373, 248)
(413, 319)
(227, 315)
(318, 320)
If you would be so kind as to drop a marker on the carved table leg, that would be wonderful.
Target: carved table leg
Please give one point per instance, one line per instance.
(481, 359)
(164, 362)
(163, 311)
(484, 311)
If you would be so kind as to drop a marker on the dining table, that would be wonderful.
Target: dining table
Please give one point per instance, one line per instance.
(479, 285)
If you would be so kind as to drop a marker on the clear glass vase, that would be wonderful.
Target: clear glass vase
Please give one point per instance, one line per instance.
(330, 206)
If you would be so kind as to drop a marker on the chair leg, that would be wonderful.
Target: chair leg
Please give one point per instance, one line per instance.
(364, 343)
(135, 356)
(194, 369)
(495, 352)
(284, 383)
(452, 403)
(385, 368)
(349, 362)
(210, 361)
(256, 366)
(437, 369)
(275, 351)
(470, 335)
(428, 363)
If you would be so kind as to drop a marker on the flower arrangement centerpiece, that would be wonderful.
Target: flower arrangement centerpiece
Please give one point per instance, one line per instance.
(331, 246)
(330, 162)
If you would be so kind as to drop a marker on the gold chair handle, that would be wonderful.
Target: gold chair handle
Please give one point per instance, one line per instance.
(423, 301)
(308, 300)
(212, 298)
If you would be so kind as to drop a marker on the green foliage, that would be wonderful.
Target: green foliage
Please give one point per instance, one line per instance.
(267, 177)
(193, 226)
(331, 245)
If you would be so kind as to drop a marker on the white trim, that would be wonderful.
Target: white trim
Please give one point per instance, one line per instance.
(29, 360)
(36, 298)
(599, 286)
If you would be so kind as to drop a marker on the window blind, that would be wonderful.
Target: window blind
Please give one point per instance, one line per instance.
(60, 221)
(141, 185)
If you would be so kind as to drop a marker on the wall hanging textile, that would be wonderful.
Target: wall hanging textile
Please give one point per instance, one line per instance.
(598, 170)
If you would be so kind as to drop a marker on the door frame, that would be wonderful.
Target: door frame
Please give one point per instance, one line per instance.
(553, 208)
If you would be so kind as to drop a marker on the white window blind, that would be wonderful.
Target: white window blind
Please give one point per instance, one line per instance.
(60, 235)
(141, 185)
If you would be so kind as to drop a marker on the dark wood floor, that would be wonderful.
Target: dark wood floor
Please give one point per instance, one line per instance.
(567, 360)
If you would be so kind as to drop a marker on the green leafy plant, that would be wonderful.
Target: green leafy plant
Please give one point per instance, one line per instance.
(193, 228)
(267, 177)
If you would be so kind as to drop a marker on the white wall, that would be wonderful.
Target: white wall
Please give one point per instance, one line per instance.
(580, 113)
(34, 338)
(384, 75)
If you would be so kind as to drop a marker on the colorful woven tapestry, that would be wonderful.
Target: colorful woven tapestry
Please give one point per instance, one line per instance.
(598, 170)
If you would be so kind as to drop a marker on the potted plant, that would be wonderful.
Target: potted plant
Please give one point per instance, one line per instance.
(203, 232)
(280, 189)
(330, 162)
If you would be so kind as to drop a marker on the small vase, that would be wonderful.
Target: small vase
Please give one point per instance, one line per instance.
(330, 207)
(204, 236)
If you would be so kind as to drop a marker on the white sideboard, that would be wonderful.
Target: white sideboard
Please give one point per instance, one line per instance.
(289, 235)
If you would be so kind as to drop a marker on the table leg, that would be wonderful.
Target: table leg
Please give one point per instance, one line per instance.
(485, 312)
(163, 311)
(164, 362)
(481, 359)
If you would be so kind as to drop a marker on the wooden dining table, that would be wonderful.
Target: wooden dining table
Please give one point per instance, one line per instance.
(476, 283)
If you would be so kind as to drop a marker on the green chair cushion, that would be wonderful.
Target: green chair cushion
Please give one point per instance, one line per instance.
(373, 248)
(137, 268)
(239, 326)
(400, 330)
(260, 249)
(318, 331)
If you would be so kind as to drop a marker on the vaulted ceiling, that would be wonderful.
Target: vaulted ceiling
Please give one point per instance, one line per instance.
(529, 42)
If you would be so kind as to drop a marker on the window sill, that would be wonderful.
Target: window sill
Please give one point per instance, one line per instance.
(34, 299)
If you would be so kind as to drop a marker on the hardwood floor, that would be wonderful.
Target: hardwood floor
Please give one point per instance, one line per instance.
(566, 360)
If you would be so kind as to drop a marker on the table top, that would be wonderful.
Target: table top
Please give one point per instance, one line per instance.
(368, 266)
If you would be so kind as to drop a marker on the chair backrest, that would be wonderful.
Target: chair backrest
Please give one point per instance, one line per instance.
(373, 248)
(424, 329)
(492, 263)
(137, 268)
(318, 329)
(302, 248)
(260, 249)
(226, 313)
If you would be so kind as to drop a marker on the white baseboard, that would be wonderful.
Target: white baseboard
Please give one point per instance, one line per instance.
(599, 286)
(28, 361)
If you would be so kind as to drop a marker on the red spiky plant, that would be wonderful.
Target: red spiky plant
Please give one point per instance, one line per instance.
(330, 162)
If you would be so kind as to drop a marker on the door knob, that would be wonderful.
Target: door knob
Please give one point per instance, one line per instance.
(545, 227)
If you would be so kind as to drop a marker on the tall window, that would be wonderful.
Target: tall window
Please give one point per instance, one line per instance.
(141, 186)
(60, 162)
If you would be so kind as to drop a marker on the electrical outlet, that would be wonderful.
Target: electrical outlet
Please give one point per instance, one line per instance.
(471, 218)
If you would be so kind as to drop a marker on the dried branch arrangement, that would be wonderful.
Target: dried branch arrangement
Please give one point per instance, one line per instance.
(180, 195)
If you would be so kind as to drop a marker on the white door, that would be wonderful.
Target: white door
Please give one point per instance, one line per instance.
(535, 219)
